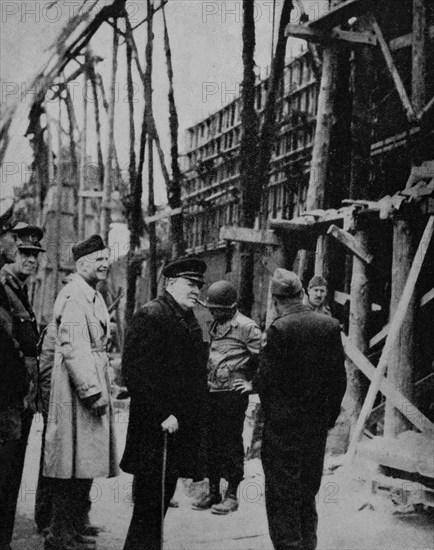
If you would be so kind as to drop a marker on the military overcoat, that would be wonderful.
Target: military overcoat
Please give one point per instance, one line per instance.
(164, 369)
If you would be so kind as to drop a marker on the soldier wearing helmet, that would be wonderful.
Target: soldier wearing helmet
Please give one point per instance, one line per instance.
(234, 348)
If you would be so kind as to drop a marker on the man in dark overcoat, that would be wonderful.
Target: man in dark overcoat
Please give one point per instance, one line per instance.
(25, 331)
(301, 381)
(13, 374)
(164, 369)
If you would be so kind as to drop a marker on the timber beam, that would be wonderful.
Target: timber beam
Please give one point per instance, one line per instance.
(351, 243)
(234, 233)
(380, 336)
(426, 110)
(334, 35)
(406, 40)
(341, 14)
(162, 215)
(426, 298)
(400, 88)
(402, 403)
(392, 336)
(310, 221)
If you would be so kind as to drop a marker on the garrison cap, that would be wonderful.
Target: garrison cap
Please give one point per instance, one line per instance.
(318, 280)
(92, 244)
(29, 237)
(285, 283)
(7, 220)
(189, 268)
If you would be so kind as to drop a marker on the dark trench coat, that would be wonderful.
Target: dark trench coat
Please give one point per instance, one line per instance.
(164, 369)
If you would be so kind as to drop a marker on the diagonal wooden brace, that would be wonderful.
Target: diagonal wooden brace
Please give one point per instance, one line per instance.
(411, 116)
(402, 403)
(351, 243)
(395, 327)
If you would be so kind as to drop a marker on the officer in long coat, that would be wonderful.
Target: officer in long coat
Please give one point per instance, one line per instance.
(80, 441)
(164, 369)
(25, 331)
(13, 374)
(301, 381)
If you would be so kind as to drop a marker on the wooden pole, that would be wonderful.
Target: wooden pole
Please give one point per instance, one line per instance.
(73, 175)
(360, 304)
(392, 337)
(83, 155)
(174, 190)
(94, 81)
(250, 185)
(108, 172)
(320, 154)
(401, 370)
(402, 361)
(152, 231)
(421, 48)
(151, 131)
(58, 214)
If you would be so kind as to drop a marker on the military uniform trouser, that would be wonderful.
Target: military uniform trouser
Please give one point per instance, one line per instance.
(70, 506)
(145, 527)
(226, 413)
(44, 492)
(12, 464)
(44, 497)
(293, 464)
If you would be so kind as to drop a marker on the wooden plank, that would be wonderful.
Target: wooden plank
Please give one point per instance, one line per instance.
(422, 172)
(427, 298)
(341, 297)
(394, 72)
(426, 109)
(295, 225)
(311, 35)
(247, 235)
(162, 215)
(90, 194)
(351, 243)
(406, 40)
(341, 14)
(395, 328)
(402, 403)
(380, 336)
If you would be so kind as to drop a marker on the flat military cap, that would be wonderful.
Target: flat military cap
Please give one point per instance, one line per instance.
(90, 245)
(189, 268)
(317, 280)
(285, 283)
(7, 220)
(29, 237)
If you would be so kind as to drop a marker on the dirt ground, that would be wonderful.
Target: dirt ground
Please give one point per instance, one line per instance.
(350, 517)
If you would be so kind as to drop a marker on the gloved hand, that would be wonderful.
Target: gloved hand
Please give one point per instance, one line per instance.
(96, 404)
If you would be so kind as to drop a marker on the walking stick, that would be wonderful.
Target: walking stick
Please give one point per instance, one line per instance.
(163, 489)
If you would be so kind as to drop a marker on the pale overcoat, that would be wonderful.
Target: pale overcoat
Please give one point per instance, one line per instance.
(78, 444)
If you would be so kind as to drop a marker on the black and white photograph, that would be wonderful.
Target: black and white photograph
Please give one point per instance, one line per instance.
(216, 275)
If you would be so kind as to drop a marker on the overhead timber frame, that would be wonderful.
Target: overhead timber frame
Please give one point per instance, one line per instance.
(358, 27)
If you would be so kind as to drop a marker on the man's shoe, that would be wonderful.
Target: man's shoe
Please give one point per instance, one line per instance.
(229, 504)
(91, 530)
(206, 501)
(51, 543)
(82, 539)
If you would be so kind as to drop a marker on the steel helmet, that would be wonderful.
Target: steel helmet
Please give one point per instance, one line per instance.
(221, 294)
